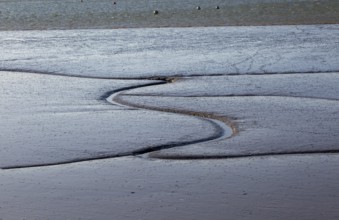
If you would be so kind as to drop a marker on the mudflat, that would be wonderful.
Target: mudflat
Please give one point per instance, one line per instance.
(169, 123)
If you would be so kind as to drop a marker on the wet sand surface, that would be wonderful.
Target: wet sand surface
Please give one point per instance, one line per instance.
(292, 187)
(169, 123)
(271, 114)
(56, 119)
(163, 52)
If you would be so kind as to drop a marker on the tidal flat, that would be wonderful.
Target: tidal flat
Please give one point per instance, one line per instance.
(199, 122)
(102, 123)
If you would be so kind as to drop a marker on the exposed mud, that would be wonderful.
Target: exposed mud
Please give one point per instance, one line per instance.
(225, 127)
(220, 130)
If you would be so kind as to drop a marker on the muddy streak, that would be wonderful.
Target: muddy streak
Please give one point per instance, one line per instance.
(226, 120)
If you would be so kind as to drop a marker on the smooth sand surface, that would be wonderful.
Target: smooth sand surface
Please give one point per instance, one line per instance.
(293, 187)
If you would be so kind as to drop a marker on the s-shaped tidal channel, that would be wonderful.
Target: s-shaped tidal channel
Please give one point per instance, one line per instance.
(224, 128)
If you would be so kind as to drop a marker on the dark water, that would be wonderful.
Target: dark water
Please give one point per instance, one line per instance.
(74, 14)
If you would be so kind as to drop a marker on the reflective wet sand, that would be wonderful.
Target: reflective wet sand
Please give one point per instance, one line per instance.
(169, 123)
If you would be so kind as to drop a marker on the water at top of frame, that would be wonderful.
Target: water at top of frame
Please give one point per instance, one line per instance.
(74, 14)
